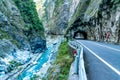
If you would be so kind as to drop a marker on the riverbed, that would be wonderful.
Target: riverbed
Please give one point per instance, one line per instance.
(43, 62)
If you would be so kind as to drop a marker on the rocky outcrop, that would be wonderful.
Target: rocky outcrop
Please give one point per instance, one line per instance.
(37, 43)
(73, 6)
(17, 42)
(56, 15)
(106, 21)
(99, 19)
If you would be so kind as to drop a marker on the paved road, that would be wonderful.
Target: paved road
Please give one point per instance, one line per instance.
(102, 60)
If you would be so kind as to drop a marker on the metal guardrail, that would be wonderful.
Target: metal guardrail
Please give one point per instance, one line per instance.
(73, 44)
(79, 61)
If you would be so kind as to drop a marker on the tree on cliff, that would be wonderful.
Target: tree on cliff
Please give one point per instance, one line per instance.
(28, 11)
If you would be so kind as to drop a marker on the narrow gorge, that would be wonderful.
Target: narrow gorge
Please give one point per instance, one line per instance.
(31, 32)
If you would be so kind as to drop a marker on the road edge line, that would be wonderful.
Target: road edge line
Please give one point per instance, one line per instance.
(110, 66)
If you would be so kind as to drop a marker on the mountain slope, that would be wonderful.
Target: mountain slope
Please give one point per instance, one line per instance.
(21, 33)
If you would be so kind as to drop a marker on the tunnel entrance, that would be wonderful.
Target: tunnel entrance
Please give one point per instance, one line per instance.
(80, 35)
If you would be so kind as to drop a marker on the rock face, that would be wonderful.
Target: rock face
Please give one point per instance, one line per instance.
(106, 21)
(99, 19)
(37, 43)
(15, 40)
(57, 15)
(12, 27)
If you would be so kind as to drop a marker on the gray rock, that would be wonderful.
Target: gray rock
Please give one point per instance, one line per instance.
(15, 45)
(20, 58)
(37, 44)
(57, 17)
(3, 19)
(99, 19)
(6, 47)
(3, 69)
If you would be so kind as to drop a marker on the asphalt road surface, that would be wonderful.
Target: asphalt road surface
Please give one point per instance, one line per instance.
(102, 60)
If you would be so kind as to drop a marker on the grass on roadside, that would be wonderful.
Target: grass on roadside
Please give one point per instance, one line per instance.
(62, 64)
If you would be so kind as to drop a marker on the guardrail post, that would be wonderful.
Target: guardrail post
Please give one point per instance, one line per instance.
(76, 65)
(79, 67)
(77, 62)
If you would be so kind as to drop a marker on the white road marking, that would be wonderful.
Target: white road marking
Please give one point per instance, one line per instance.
(107, 47)
(110, 66)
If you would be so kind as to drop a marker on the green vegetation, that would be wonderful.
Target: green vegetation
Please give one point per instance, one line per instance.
(58, 3)
(62, 63)
(14, 64)
(29, 13)
(3, 34)
(35, 77)
(93, 8)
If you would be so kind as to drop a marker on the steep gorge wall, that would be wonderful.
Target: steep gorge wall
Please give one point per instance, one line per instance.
(106, 21)
(100, 19)
(56, 15)
(19, 37)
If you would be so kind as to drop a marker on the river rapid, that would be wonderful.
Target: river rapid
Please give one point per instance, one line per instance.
(44, 60)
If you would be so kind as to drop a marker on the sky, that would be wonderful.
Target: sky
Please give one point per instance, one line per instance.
(38, 0)
(40, 7)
